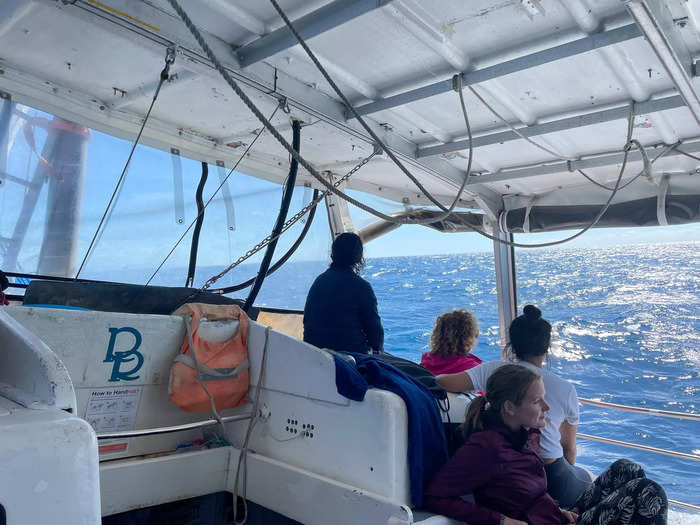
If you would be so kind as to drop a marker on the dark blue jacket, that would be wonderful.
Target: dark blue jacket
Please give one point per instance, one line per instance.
(341, 313)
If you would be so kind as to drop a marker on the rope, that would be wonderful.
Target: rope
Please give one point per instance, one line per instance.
(515, 130)
(628, 145)
(369, 130)
(396, 220)
(686, 153)
(255, 249)
(296, 217)
(329, 186)
(164, 75)
(315, 201)
(639, 410)
(460, 91)
(646, 170)
(681, 455)
(223, 182)
(242, 468)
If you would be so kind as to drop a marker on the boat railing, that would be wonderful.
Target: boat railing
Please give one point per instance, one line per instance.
(646, 448)
(640, 410)
(175, 428)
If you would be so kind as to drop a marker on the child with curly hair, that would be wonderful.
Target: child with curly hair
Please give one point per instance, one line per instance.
(451, 342)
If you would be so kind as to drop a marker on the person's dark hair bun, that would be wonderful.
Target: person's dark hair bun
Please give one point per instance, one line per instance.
(532, 313)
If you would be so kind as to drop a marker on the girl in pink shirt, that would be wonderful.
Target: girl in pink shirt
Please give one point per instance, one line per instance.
(452, 339)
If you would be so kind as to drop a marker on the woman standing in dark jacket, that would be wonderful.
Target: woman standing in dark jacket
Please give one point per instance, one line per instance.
(497, 477)
(341, 308)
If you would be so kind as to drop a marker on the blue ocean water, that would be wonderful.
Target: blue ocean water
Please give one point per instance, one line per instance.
(626, 322)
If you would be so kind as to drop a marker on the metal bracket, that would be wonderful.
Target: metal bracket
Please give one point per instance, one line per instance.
(170, 54)
(283, 104)
(457, 82)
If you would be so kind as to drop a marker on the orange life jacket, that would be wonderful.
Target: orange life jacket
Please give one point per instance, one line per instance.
(221, 368)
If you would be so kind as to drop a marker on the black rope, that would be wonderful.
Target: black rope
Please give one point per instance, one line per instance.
(198, 226)
(283, 259)
(281, 217)
(164, 75)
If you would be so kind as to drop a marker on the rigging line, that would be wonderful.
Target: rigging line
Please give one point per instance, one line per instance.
(515, 130)
(357, 116)
(243, 454)
(628, 145)
(258, 247)
(251, 106)
(460, 92)
(210, 199)
(287, 224)
(164, 75)
(646, 169)
(640, 410)
(686, 153)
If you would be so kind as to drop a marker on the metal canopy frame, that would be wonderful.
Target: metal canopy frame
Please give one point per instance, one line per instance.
(323, 19)
(162, 29)
(596, 161)
(545, 56)
(586, 119)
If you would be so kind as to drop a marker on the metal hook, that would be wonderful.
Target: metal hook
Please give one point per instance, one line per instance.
(170, 54)
(284, 105)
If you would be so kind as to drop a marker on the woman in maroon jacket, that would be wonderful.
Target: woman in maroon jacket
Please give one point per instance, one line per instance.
(497, 477)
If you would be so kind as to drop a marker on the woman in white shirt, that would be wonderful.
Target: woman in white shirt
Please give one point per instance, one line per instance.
(530, 337)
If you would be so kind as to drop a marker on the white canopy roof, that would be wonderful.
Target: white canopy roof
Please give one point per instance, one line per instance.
(562, 71)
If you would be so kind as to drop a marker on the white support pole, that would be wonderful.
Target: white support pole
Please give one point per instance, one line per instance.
(339, 219)
(504, 264)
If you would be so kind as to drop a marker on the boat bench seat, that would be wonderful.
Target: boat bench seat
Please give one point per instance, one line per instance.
(305, 423)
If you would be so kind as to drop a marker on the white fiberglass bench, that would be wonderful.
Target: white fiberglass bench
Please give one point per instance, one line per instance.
(314, 456)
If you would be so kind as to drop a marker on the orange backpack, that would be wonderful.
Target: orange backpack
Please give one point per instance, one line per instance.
(206, 375)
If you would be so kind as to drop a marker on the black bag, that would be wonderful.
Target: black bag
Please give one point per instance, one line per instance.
(415, 371)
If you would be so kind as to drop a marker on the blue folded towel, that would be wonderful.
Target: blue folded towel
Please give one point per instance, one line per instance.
(427, 446)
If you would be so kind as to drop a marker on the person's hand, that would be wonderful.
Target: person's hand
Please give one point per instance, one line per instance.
(511, 521)
(570, 517)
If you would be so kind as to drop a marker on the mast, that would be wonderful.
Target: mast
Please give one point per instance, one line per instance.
(66, 178)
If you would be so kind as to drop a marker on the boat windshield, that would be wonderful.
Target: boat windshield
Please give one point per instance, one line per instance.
(57, 178)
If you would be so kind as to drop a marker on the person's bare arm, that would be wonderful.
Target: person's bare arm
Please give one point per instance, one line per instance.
(459, 382)
(568, 441)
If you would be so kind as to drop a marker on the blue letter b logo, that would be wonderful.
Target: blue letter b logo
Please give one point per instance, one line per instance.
(119, 357)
